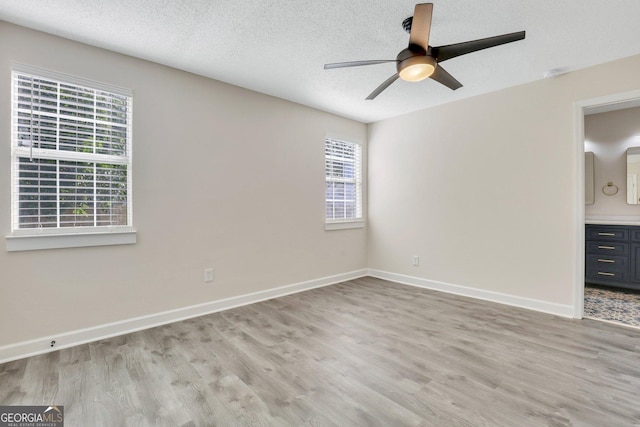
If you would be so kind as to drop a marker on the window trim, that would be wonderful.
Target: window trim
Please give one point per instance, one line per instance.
(348, 223)
(343, 225)
(71, 237)
(34, 242)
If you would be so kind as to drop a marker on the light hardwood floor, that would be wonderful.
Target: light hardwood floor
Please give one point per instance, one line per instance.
(362, 353)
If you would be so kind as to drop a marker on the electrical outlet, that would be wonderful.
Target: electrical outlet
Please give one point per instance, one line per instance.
(416, 260)
(208, 274)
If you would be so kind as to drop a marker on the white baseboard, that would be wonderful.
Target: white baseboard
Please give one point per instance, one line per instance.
(528, 303)
(69, 339)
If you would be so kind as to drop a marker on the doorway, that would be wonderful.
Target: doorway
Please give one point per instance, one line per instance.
(608, 304)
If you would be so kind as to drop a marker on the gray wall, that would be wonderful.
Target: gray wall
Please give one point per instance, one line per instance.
(222, 177)
(484, 190)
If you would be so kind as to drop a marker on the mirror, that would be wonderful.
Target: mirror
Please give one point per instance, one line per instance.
(633, 175)
(589, 181)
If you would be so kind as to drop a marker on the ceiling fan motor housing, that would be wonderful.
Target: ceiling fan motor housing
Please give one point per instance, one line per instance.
(406, 24)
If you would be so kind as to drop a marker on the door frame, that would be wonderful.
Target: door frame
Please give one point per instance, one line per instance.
(601, 104)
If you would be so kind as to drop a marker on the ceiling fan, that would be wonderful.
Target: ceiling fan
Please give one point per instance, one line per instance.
(419, 60)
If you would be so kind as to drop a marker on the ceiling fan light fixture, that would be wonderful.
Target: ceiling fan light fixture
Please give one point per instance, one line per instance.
(420, 60)
(416, 68)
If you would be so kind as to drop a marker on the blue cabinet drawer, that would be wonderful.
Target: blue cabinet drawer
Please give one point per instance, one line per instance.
(635, 234)
(607, 275)
(607, 233)
(607, 262)
(607, 248)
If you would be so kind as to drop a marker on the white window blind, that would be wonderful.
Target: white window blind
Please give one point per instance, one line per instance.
(71, 155)
(343, 170)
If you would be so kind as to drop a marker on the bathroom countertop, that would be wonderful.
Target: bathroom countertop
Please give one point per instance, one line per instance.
(613, 221)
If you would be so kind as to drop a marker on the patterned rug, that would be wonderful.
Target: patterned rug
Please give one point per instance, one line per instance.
(612, 305)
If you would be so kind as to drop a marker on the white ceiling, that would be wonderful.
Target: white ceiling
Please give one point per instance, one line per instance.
(278, 47)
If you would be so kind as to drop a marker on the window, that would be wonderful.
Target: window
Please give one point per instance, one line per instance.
(71, 156)
(343, 194)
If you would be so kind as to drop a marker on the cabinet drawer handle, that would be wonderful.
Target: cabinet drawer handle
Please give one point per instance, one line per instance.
(606, 247)
(612, 261)
(605, 274)
(606, 234)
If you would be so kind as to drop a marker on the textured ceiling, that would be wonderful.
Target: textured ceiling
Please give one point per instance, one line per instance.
(278, 47)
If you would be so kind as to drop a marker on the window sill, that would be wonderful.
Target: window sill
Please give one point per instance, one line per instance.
(343, 225)
(34, 242)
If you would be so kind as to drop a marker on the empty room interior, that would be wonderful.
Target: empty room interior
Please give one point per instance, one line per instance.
(213, 216)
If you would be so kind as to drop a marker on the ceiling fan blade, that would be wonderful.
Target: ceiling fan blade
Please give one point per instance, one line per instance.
(357, 63)
(442, 53)
(442, 76)
(383, 86)
(421, 25)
